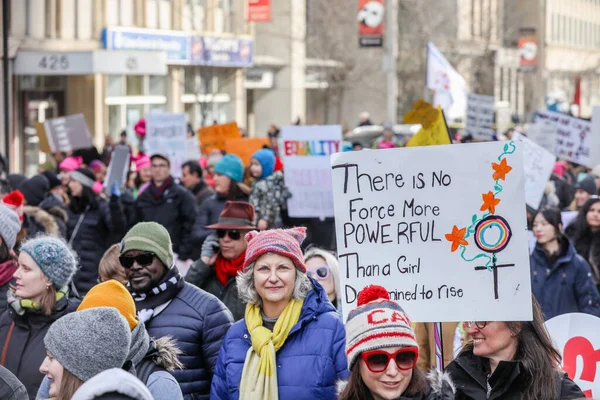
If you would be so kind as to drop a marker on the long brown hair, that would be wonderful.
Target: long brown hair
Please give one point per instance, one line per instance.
(68, 385)
(48, 300)
(538, 357)
(357, 390)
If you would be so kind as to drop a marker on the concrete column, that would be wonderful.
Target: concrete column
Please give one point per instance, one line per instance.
(239, 99)
(100, 116)
(175, 89)
(298, 60)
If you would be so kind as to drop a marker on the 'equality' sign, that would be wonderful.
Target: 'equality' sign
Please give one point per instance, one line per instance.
(446, 238)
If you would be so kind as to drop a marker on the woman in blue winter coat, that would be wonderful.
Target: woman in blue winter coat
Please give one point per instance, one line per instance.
(561, 279)
(290, 328)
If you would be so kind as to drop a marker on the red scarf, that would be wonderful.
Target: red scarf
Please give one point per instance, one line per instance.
(226, 269)
(7, 270)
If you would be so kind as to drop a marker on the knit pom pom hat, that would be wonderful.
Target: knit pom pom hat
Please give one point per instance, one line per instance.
(10, 225)
(14, 200)
(54, 257)
(377, 323)
(285, 242)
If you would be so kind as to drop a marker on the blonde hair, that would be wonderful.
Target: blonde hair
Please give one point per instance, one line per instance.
(110, 267)
(334, 268)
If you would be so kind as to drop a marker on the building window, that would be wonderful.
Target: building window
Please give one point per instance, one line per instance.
(134, 85)
(158, 14)
(193, 15)
(224, 16)
(119, 13)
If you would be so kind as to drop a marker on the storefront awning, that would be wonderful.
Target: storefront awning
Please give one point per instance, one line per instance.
(107, 62)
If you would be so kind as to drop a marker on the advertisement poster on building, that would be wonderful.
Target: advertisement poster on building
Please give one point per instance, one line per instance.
(258, 11)
(528, 49)
(444, 238)
(371, 14)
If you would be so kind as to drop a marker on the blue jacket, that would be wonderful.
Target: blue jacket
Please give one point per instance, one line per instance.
(565, 287)
(311, 360)
(197, 321)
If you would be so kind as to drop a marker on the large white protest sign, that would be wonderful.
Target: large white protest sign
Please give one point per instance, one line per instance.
(166, 133)
(442, 228)
(544, 134)
(306, 151)
(480, 116)
(576, 338)
(537, 165)
(573, 138)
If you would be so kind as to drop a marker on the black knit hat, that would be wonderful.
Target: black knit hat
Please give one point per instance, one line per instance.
(588, 184)
(35, 189)
(53, 179)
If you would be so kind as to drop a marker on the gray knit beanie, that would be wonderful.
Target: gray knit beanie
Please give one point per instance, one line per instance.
(54, 257)
(90, 341)
(10, 225)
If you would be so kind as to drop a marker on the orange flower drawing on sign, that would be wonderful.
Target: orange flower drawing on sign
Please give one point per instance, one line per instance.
(500, 170)
(457, 237)
(489, 202)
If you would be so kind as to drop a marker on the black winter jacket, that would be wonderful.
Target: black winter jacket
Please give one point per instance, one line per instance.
(175, 210)
(26, 350)
(469, 374)
(208, 214)
(197, 321)
(103, 224)
(205, 277)
(58, 211)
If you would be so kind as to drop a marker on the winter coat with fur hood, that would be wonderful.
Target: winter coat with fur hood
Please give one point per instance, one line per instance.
(439, 387)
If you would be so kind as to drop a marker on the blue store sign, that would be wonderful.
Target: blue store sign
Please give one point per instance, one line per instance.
(219, 51)
(175, 44)
(183, 48)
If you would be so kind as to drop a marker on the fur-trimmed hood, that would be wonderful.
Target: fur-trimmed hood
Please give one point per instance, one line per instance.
(43, 219)
(440, 386)
(167, 353)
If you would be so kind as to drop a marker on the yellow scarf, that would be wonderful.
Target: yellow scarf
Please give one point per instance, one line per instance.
(259, 376)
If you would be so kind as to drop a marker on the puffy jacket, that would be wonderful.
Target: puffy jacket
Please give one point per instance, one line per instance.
(205, 277)
(103, 224)
(566, 286)
(10, 387)
(197, 321)
(469, 374)
(208, 214)
(267, 197)
(175, 210)
(310, 362)
(202, 192)
(26, 350)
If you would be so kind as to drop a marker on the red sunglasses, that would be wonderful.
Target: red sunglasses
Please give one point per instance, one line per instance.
(377, 360)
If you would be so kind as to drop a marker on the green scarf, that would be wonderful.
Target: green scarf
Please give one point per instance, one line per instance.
(22, 305)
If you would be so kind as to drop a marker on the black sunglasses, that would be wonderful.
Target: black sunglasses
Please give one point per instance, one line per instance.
(142, 259)
(233, 234)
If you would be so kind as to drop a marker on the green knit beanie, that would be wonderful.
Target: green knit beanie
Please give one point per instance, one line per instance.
(152, 237)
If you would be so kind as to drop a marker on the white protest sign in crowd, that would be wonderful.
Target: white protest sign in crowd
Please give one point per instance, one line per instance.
(574, 141)
(480, 116)
(305, 152)
(576, 337)
(544, 134)
(538, 165)
(446, 238)
(166, 133)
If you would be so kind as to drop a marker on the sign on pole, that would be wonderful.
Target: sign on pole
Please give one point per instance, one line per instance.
(118, 167)
(67, 133)
(480, 116)
(544, 134)
(166, 133)
(371, 16)
(258, 10)
(306, 151)
(574, 140)
(538, 165)
(446, 238)
(576, 338)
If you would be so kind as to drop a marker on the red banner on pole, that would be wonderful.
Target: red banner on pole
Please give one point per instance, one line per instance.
(371, 14)
(528, 49)
(258, 11)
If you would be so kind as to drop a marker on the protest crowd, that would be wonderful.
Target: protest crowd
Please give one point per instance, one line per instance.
(192, 280)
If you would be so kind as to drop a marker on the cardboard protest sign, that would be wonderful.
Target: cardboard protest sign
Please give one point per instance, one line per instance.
(305, 151)
(245, 147)
(118, 167)
(544, 134)
(480, 116)
(538, 165)
(166, 133)
(214, 136)
(434, 130)
(576, 338)
(573, 138)
(192, 149)
(41, 134)
(444, 236)
(67, 133)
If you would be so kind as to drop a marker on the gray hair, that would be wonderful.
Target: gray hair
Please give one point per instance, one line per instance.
(248, 294)
(334, 268)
